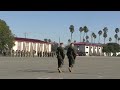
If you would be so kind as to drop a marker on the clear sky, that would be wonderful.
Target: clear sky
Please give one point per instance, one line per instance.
(52, 24)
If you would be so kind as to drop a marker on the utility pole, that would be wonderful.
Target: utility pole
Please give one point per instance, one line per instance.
(59, 40)
(25, 34)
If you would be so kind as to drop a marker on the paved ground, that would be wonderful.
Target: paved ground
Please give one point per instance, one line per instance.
(46, 68)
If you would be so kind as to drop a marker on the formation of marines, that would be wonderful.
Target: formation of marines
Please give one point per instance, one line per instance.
(24, 53)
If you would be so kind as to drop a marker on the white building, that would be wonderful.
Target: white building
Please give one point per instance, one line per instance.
(89, 49)
(31, 44)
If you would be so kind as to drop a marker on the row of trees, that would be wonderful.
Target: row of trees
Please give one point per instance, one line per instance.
(111, 48)
(85, 38)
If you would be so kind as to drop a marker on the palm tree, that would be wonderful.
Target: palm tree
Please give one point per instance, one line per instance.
(49, 40)
(100, 33)
(85, 30)
(46, 40)
(110, 39)
(69, 41)
(74, 41)
(93, 35)
(105, 36)
(116, 37)
(118, 40)
(71, 30)
(105, 30)
(117, 30)
(81, 30)
(87, 37)
(83, 40)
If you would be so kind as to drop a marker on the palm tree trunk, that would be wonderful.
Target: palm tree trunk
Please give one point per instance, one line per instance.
(99, 39)
(71, 36)
(80, 36)
(116, 40)
(104, 40)
(83, 36)
(91, 38)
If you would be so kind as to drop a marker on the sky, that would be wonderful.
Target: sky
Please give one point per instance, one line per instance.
(55, 24)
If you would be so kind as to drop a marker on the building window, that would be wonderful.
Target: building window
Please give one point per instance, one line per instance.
(86, 52)
(86, 47)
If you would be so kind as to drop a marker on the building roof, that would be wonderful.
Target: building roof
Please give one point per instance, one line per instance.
(30, 40)
(88, 44)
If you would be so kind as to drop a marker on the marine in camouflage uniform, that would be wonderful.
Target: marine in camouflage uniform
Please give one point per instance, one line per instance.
(22, 53)
(19, 53)
(34, 53)
(26, 53)
(16, 53)
(71, 54)
(29, 53)
(43, 54)
(60, 56)
(38, 53)
(12, 53)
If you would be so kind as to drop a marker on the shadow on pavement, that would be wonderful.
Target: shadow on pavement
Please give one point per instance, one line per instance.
(45, 71)
(49, 71)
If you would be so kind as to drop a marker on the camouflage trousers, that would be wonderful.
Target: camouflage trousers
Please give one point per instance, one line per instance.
(60, 63)
(71, 62)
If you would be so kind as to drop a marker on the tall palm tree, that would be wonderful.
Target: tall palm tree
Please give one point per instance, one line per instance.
(93, 35)
(117, 30)
(105, 36)
(100, 33)
(85, 30)
(116, 37)
(110, 39)
(87, 37)
(81, 30)
(71, 30)
(105, 30)
(118, 40)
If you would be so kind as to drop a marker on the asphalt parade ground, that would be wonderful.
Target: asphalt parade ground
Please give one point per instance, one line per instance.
(46, 68)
